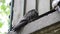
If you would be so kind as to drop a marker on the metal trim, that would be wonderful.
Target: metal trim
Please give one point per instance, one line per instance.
(11, 15)
(25, 3)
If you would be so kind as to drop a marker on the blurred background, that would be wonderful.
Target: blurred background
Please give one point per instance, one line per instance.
(4, 16)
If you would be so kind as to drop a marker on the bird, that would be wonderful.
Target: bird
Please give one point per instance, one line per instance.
(32, 14)
(28, 17)
(56, 5)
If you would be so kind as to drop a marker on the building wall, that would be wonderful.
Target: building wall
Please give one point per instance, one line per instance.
(41, 23)
(18, 11)
(30, 5)
(44, 6)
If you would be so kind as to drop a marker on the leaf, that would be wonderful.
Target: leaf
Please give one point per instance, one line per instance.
(3, 1)
(1, 24)
(3, 7)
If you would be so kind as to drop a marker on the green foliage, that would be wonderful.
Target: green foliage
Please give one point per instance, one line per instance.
(4, 12)
(3, 1)
(1, 24)
(3, 7)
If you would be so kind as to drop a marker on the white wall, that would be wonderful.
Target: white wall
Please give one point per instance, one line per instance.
(41, 23)
(44, 6)
(30, 5)
(18, 11)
